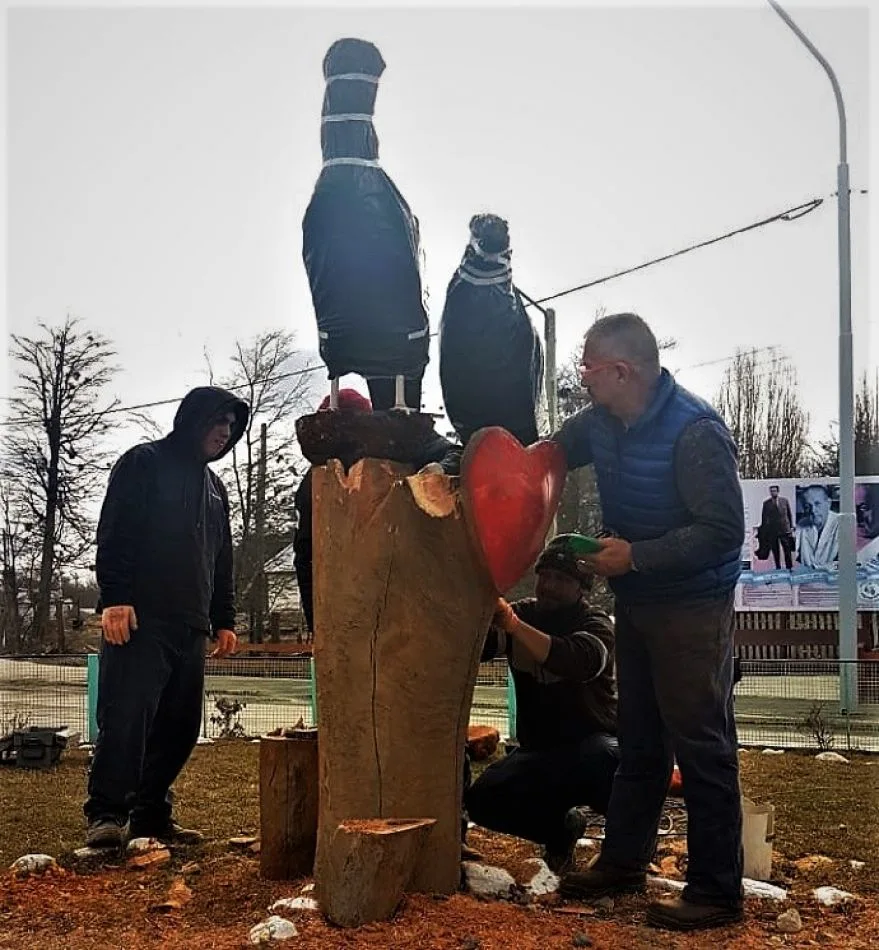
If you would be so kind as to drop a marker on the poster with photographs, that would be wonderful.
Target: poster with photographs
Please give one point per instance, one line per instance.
(790, 556)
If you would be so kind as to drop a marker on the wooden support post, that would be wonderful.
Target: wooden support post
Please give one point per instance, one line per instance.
(371, 863)
(288, 804)
(275, 626)
(402, 606)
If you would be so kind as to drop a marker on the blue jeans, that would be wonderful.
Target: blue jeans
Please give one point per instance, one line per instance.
(149, 710)
(675, 680)
(528, 792)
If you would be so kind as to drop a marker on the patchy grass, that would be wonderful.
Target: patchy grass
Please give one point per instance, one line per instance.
(42, 811)
(822, 808)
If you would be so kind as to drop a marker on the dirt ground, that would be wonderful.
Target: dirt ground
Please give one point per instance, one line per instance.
(821, 809)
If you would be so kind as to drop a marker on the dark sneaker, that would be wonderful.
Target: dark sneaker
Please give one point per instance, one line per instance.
(675, 913)
(600, 881)
(171, 833)
(106, 833)
(560, 858)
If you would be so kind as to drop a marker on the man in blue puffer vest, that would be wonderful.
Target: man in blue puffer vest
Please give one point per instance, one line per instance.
(672, 506)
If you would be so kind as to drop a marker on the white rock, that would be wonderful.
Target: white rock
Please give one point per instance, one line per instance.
(487, 882)
(33, 864)
(756, 889)
(858, 865)
(272, 929)
(544, 881)
(830, 896)
(831, 757)
(308, 888)
(586, 843)
(665, 883)
(203, 740)
(790, 921)
(772, 752)
(763, 890)
(140, 845)
(295, 903)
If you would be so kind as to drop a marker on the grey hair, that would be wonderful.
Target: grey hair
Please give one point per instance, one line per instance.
(627, 337)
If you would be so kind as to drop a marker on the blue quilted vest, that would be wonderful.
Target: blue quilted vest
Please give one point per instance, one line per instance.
(639, 495)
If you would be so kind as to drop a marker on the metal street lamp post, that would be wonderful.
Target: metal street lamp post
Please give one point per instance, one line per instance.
(848, 577)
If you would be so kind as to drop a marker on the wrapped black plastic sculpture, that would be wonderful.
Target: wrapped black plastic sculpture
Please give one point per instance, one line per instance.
(491, 359)
(361, 244)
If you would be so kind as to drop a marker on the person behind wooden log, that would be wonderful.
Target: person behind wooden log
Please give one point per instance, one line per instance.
(349, 400)
(164, 569)
(560, 650)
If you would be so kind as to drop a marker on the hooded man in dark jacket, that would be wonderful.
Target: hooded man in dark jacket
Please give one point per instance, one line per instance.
(164, 568)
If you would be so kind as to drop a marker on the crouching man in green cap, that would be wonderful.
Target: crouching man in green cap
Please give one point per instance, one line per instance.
(560, 650)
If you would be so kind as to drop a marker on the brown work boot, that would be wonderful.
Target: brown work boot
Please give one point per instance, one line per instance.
(601, 881)
(675, 913)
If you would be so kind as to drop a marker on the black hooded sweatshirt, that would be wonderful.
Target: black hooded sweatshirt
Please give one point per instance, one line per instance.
(164, 540)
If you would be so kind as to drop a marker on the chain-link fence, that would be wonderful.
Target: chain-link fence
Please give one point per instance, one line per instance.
(43, 691)
(785, 703)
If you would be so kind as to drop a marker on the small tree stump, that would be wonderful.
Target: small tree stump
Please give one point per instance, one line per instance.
(402, 606)
(369, 865)
(288, 804)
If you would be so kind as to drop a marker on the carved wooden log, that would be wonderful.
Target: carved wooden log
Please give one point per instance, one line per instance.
(402, 604)
(370, 863)
(288, 804)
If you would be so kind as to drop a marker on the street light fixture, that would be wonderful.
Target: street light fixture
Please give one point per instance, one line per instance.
(848, 569)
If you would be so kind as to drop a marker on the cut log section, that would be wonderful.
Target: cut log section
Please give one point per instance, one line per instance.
(402, 606)
(288, 804)
(369, 865)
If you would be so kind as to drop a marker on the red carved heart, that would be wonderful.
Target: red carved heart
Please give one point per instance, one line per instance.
(510, 497)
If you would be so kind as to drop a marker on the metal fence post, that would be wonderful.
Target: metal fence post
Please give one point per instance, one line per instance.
(94, 663)
(313, 681)
(511, 704)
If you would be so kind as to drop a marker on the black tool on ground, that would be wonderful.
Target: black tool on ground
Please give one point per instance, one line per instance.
(37, 747)
(361, 245)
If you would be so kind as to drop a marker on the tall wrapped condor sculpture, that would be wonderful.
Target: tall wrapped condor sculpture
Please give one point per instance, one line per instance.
(491, 359)
(361, 244)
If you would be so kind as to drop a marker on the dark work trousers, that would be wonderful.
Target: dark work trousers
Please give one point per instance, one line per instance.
(149, 710)
(528, 793)
(302, 562)
(674, 665)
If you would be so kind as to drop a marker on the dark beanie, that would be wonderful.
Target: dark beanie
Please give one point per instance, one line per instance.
(560, 556)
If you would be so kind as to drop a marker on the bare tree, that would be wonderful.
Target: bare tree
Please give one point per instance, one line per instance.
(16, 536)
(826, 456)
(760, 403)
(272, 376)
(53, 454)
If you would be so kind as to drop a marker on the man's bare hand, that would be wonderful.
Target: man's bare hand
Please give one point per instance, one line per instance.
(504, 616)
(117, 624)
(614, 558)
(227, 643)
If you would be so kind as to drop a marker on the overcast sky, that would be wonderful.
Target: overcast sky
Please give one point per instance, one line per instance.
(160, 162)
